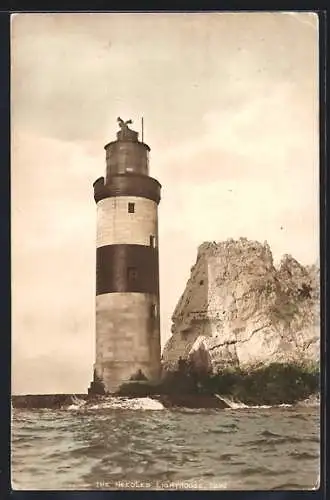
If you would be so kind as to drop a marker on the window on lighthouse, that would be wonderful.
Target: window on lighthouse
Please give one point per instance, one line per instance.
(132, 274)
(153, 311)
(153, 241)
(131, 208)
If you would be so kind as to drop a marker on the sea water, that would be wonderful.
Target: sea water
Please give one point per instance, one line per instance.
(125, 444)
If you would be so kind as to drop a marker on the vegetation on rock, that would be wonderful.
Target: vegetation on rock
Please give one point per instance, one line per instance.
(274, 384)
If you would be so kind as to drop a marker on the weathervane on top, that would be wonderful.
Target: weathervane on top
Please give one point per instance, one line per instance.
(125, 132)
(123, 125)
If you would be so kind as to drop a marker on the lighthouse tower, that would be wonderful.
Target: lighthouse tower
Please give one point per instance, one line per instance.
(127, 269)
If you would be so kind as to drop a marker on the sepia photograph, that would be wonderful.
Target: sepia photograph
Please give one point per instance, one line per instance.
(165, 251)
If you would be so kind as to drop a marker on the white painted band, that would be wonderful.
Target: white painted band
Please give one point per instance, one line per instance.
(116, 225)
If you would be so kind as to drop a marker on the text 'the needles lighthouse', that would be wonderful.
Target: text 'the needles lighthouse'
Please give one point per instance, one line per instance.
(127, 266)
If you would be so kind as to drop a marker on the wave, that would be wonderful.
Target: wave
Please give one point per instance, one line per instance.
(146, 403)
(237, 405)
(76, 404)
(117, 403)
(312, 401)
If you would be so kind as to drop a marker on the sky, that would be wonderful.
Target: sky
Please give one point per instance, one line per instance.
(230, 107)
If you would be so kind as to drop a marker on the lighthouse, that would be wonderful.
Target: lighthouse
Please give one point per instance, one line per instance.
(127, 266)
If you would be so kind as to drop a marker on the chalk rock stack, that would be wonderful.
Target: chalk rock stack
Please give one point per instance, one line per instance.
(238, 310)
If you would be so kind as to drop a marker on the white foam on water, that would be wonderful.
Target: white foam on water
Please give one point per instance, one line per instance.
(128, 404)
(73, 407)
(146, 403)
(237, 405)
(313, 401)
(232, 405)
(77, 404)
(265, 407)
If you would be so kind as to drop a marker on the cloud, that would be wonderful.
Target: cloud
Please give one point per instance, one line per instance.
(79, 71)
